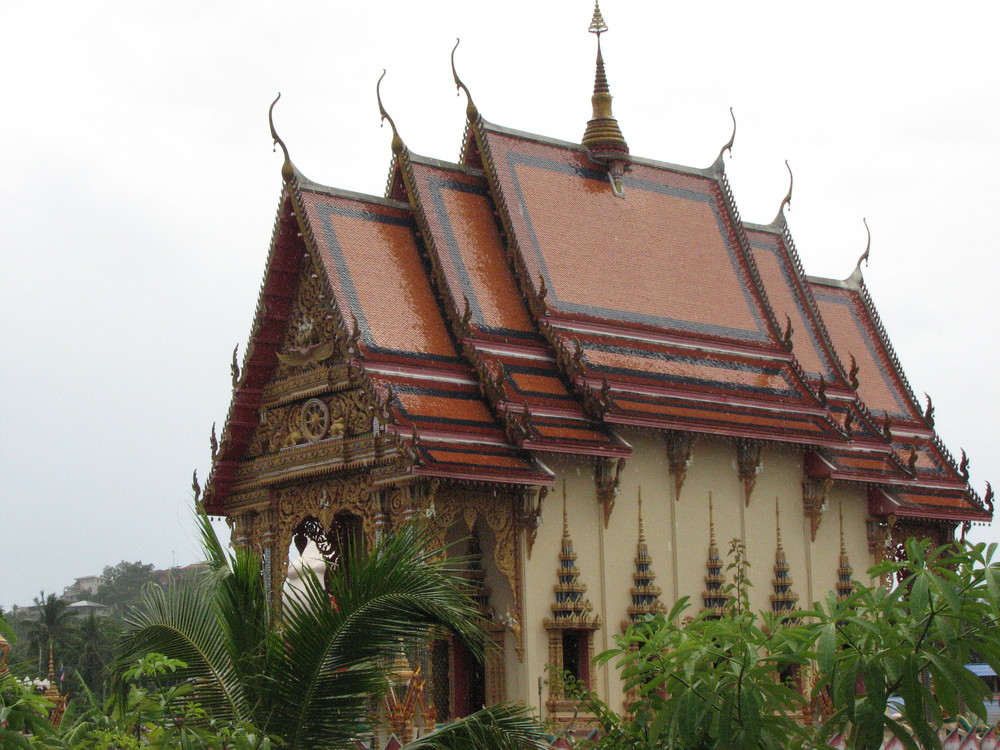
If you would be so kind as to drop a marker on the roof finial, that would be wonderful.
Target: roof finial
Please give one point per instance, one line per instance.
(603, 138)
(470, 110)
(856, 278)
(787, 200)
(719, 164)
(287, 168)
(397, 142)
(597, 25)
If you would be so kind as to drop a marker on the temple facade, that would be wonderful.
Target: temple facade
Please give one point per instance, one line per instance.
(584, 368)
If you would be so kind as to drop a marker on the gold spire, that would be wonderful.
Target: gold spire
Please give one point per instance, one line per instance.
(783, 599)
(645, 595)
(714, 597)
(570, 605)
(603, 138)
(845, 574)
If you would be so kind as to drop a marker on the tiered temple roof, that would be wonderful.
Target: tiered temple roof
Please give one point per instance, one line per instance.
(539, 296)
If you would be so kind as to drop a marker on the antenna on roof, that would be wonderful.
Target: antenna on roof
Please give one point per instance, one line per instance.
(603, 138)
(856, 278)
(786, 202)
(397, 142)
(470, 109)
(288, 170)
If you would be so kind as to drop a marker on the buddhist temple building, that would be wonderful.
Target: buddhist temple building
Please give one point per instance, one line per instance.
(519, 346)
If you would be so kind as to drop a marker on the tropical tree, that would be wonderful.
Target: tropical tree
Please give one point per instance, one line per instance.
(311, 675)
(122, 585)
(53, 631)
(739, 681)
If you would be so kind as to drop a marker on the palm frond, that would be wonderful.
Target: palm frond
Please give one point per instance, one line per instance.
(181, 623)
(336, 656)
(502, 727)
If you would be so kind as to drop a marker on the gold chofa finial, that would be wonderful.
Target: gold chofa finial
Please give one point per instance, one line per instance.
(397, 142)
(597, 25)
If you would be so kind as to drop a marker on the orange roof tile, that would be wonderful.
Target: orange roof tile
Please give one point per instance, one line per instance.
(789, 294)
(854, 332)
(922, 502)
(481, 463)
(718, 418)
(465, 234)
(371, 257)
(663, 256)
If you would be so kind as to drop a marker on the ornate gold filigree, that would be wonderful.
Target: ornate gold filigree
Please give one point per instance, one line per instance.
(500, 513)
(312, 334)
(679, 448)
(748, 462)
(607, 475)
(814, 502)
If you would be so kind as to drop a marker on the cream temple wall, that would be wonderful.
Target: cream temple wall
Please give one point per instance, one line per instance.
(677, 535)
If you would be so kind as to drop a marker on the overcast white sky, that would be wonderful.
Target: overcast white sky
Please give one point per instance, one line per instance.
(138, 190)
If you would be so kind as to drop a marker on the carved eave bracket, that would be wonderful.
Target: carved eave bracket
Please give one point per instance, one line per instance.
(679, 447)
(597, 401)
(531, 515)
(815, 501)
(749, 463)
(607, 475)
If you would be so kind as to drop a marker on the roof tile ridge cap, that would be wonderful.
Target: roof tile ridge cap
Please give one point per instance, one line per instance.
(887, 344)
(529, 136)
(352, 195)
(443, 164)
(736, 221)
(225, 444)
(810, 300)
(948, 456)
(868, 414)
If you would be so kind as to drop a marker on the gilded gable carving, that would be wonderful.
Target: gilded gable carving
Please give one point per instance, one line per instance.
(312, 335)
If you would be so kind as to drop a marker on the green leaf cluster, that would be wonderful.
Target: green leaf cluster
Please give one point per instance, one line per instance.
(745, 681)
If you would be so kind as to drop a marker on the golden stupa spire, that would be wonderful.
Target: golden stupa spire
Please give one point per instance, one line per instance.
(714, 597)
(845, 574)
(570, 605)
(645, 594)
(603, 138)
(783, 599)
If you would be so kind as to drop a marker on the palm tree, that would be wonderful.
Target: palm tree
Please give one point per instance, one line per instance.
(312, 675)
(52, 631)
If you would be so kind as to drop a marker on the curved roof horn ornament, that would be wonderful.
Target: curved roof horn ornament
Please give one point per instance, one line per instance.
(470, 110)
(718, 165)
(397, 142)
(288, 170)
(855, 279)
(786, 202)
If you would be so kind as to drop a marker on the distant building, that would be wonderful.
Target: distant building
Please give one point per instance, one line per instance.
(591, 374)
(82, 587)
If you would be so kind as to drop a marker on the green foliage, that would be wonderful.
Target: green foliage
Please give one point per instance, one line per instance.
(123, 585)
(21, 708)
(157, 712)
(726, 682)
(911, 642)
(311, 675)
